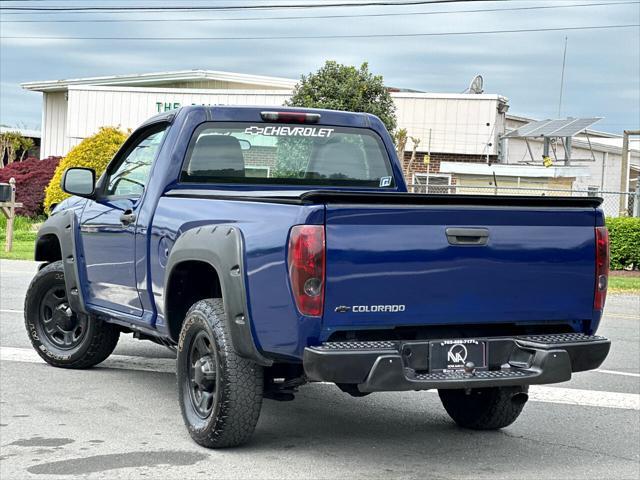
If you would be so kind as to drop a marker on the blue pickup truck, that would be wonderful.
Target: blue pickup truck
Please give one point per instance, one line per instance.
(275, 248)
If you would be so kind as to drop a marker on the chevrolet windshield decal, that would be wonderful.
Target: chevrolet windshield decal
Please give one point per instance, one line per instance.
(370, 308)
(285, 131)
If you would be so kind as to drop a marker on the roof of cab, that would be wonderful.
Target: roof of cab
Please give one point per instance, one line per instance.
(241, 113)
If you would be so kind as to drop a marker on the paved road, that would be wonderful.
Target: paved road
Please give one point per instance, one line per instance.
(122, 420)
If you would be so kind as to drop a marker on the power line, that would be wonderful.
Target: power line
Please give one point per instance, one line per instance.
(327, 37)
(160, 1)
(116, 9)
(314, 17)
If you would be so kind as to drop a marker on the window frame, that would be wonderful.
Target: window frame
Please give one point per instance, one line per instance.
(130, 144)
(426, 177)
(274, 184)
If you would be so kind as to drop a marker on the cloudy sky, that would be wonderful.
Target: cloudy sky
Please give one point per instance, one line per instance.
(602, 68)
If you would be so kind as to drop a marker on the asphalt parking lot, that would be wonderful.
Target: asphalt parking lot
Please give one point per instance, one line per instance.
(122, 420)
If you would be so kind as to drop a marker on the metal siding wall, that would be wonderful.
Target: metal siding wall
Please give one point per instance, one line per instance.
(91, 108)
(457, 125)
(54, 120)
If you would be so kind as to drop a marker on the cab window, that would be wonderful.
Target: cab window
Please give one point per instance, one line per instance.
(130, 178)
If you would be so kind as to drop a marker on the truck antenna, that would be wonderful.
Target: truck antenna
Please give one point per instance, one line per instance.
(564, 63)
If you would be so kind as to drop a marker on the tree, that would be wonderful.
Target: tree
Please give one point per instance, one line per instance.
(12, 144)
(93, 152)
(400, 138)
(416, 143)
(32, 176)
(347, 88)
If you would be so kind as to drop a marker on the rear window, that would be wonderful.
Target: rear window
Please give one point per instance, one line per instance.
(292, 154)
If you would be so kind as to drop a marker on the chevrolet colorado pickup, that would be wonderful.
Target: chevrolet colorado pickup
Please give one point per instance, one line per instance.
(275, 248)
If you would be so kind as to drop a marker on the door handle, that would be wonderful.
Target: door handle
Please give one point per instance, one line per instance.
(467, 236)
(127, 217)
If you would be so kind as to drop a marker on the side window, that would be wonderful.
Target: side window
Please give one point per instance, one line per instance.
(130, 177)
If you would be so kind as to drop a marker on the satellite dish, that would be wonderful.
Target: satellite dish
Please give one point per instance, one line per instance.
(476, 85)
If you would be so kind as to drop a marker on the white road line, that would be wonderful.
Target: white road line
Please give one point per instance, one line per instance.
(622, 315)
(614, 372)
(538, 393)
(584, 398)
(8, 310)
(125, 362)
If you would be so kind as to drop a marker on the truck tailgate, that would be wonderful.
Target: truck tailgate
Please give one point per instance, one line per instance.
(402, 265)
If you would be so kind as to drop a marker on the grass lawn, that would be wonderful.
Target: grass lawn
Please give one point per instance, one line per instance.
(24, 236)
(624, 284)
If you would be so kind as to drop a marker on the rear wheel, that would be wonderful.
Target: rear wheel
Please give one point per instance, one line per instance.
(484, 408)
(220, 393)
(62, 337)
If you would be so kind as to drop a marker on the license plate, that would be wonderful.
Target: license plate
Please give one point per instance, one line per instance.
(447, 355)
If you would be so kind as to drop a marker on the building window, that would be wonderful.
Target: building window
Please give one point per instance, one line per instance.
(428, 183)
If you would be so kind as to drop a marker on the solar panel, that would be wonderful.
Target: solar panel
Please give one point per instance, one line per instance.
(578, 125)
(553, 128)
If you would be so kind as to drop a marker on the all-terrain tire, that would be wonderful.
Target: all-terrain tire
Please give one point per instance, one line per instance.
(484, 408)
(222, 410)
(92, 341)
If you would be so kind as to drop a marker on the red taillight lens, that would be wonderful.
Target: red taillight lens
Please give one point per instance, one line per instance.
(602, 267)
(306, 261)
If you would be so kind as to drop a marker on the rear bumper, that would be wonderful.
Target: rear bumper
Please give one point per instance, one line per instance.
(398, 365)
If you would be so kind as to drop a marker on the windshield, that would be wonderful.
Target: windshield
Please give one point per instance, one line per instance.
(292, 154)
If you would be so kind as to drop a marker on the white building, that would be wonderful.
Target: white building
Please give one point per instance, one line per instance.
(460, 134)
(74, 109)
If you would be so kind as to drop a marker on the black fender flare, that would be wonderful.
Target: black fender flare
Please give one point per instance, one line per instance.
(64, 226)
(222, 247)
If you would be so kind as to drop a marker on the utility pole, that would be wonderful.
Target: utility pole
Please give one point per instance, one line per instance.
(624, 174)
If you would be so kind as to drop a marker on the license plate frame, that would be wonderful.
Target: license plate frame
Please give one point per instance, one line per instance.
(450, 355)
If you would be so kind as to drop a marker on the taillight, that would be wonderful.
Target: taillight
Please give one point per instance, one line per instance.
(290, 117)
(602, 267)
(306, 259)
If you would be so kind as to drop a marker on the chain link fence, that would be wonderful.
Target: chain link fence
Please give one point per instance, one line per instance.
(615, 204)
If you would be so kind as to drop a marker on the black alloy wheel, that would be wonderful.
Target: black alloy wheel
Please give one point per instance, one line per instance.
(58, 323)
(220, 393)
(61, 336)
(202, 374)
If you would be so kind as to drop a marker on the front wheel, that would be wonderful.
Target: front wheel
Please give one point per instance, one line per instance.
(484, 408)
(62, 337)
(220, 393)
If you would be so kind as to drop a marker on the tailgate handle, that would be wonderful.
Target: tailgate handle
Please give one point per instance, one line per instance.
(467, 236)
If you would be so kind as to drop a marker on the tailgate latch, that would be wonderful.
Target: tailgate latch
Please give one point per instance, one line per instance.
(467, 236)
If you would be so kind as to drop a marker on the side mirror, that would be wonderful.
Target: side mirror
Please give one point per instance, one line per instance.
(79, 181)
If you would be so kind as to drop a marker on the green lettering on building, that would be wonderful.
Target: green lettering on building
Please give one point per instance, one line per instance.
(166, 106)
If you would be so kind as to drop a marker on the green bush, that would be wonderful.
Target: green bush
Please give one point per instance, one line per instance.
(342, 87)
(93, 152)
(624, 240)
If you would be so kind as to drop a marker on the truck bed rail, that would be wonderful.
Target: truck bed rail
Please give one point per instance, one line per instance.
(306, 197)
